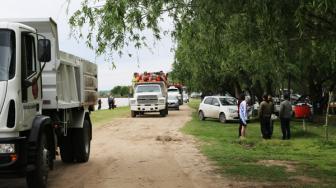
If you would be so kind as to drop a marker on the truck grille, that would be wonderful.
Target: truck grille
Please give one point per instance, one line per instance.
(149, 99)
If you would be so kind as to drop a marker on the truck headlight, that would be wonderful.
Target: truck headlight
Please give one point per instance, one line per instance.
(162, 101)
(7, 148)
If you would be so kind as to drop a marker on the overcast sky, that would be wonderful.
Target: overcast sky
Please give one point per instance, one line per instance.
(159, 58)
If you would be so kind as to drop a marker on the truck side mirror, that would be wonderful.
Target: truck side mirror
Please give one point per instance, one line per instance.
(44, 50)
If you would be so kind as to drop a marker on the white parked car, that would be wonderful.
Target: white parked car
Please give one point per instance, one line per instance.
(221, 107)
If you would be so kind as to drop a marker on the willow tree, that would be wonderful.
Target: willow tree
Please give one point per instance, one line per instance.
(257, 45)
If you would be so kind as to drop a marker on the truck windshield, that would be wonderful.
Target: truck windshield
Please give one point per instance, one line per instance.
(148, 88)
(7, 54)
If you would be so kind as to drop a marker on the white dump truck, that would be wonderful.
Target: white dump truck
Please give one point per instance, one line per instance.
(149, 94)
(45, 101)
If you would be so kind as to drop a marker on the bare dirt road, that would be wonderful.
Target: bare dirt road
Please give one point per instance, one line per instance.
(147, 151)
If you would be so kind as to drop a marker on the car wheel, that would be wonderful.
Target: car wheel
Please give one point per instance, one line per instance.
(222, 118)
(201, 115)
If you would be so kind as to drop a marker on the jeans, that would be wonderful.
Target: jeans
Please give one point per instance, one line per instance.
(285, 128)
(265, 126)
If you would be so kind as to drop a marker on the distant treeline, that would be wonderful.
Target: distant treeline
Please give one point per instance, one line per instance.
(117, 91)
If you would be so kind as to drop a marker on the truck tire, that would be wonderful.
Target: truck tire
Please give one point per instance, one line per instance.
(66, 148)
(163, 113)
(133, 113)
(166, 110)
(82, 142)
(38, 177)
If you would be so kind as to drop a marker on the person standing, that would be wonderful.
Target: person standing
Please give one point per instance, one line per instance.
(271, 102)
(240, 99)
(99, 104)
(243, 116)
(265, 112)
(110, 101)
(285, 114)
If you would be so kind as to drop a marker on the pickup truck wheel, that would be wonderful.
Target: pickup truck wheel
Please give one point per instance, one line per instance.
(163, 113)
(222, 118)
(39, 176)
(82, 142)
(66, 147)
(166, 110)
(133, 113)
(201, 115)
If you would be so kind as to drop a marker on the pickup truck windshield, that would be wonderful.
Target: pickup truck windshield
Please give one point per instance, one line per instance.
(148, 88)
(7, 54)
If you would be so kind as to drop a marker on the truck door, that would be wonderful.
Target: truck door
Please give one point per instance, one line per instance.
(31, 95)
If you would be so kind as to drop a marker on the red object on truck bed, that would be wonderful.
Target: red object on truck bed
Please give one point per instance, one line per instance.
(302, 111)
(150, 77)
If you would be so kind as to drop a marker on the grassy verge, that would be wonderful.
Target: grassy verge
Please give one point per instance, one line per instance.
(306, 159)
(101, 117)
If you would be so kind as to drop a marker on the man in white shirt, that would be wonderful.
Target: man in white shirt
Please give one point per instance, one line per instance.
(243, 116)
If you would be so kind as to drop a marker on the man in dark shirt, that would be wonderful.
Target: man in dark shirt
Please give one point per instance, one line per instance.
(265, 112)
(285, 114)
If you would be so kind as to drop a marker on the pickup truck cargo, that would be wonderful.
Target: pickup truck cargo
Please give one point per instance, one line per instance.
(46, 96)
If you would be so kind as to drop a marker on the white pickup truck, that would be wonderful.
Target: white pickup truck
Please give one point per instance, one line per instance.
(149, 97)
(45, 101)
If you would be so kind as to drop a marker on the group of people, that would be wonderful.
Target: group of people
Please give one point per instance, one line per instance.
(266, 109)
(110, 101)
(150, 77)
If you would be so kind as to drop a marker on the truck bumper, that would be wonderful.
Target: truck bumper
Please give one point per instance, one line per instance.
(148, 108)
(14, 164)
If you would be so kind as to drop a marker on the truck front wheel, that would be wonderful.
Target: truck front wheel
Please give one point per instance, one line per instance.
(82, 142)
(133, 113)
(163, 113)
(39, 176)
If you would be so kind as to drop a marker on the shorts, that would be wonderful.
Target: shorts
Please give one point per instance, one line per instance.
(242, 123)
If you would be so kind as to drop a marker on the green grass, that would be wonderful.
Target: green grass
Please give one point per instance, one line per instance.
(101, 117)
(312, 155)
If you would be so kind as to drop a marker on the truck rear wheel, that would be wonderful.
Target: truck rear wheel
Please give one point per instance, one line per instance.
(39, 176)
(82, 142)
(66, 148)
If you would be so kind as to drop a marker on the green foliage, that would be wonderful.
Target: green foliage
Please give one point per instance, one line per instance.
(307, 152)
(227, 45)
(120, 91)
